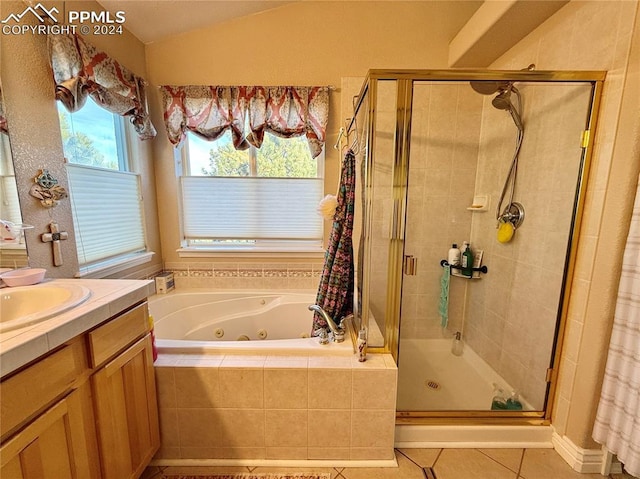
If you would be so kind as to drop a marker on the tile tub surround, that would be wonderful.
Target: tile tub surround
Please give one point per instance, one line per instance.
(240, 409)
(247, 275)
(108, 298)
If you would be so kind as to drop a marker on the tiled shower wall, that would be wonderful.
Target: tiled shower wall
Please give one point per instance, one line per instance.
(512, 312)
(460, 149)
(593, 36)
(442, 171)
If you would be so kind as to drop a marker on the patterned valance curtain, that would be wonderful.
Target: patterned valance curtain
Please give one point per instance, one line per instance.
(80, 70)
(209, 111)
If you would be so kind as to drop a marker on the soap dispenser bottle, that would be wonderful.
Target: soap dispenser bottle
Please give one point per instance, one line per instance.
(514, 402)
(456, 347)
(453, 258)
(467, 260)
(362, 345)
(499, 401)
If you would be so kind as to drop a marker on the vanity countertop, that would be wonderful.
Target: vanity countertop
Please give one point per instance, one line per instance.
(108, 297)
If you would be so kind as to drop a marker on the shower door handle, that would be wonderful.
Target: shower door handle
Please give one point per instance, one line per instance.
(410, 265)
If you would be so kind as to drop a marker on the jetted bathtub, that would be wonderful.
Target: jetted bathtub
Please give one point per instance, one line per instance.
(249, 322)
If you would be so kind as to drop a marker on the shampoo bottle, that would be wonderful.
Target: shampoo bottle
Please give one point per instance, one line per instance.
(467, 260)
(456, 347)
(454, 255)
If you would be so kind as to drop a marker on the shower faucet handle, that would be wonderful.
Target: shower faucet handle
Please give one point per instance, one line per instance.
(338, 335)
(323, 336)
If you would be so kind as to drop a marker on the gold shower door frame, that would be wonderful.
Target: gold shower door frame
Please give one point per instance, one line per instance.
(402, 142)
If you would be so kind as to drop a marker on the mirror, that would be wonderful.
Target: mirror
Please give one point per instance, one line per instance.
(13, 248)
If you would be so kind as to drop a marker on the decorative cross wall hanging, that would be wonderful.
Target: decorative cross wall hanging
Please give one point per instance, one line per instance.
(54, 238)
(47, 190)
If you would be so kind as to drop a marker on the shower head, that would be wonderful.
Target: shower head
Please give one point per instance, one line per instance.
(485, 87)
(502, 101)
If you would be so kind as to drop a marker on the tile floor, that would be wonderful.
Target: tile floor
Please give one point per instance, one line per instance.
(446, 464)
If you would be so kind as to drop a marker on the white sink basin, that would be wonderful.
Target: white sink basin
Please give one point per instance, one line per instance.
(26, 305)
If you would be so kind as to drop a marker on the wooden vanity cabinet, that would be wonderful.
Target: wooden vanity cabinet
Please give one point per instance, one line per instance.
(87, 410)
(58, 444)
(124, 394)
(127, 419)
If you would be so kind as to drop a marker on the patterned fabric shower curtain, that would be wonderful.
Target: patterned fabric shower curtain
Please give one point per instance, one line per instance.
(617, 425)
(335, 292)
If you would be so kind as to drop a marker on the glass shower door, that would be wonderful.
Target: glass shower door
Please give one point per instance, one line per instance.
(460, 151)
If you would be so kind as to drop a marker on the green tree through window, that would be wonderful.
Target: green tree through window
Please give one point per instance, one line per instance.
(227, 161)
(276, 158)
(90, 137)
(80, 149)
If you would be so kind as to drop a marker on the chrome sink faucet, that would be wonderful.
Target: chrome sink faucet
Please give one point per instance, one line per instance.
(336, 329)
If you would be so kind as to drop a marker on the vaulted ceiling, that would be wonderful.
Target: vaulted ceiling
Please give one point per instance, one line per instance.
(480, 30)
(153, 20)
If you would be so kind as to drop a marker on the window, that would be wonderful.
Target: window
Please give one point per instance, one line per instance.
(253, 200)
(9, 203)
(106, 196)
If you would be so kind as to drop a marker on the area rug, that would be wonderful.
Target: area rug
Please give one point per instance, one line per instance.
(251, 475)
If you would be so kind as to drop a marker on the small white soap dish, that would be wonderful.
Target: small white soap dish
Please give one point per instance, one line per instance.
(23, 276)
(480, 203)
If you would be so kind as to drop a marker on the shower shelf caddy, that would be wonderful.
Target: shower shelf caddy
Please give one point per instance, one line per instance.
(482, 269)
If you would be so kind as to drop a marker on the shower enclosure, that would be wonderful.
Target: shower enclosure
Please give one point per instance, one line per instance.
(497, 159)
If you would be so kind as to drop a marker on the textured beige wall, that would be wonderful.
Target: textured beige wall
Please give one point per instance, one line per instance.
(35, 135)
(593, 35)
(301, 43)
(35, 139)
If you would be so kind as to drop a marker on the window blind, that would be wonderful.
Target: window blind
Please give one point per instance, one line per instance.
(9, 206)
(107, 213)
(250, 208)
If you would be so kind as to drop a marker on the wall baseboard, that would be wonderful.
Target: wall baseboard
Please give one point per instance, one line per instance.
(587, 461)
(281, 463)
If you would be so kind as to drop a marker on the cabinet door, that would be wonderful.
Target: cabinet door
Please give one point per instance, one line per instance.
(59, 444)
(127, 412)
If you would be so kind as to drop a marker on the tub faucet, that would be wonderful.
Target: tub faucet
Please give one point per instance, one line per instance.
(337, 330)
